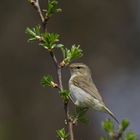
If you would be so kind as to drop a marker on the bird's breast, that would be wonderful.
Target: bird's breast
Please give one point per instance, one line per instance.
(82, 98)
(79, 96)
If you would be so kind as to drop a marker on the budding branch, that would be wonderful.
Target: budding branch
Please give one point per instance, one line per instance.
(44, 20)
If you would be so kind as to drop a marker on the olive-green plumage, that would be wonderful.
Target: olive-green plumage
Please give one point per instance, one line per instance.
(83, 90)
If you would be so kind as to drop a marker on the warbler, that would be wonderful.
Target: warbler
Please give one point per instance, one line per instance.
(83, 90)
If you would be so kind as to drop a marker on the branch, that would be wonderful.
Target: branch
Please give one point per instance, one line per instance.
(58, 69)
(71, 130)
(59, 76)
(44, 19)
(117, 136)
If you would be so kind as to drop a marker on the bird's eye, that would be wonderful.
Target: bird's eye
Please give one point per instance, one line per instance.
(78, 67)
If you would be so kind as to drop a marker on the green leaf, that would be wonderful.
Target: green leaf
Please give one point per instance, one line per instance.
(108, 126)
(59, 46)
(80, 114)
(123, 126)
(83, 119)
(34, 33)
(50, 40)
(62, 134)
(47, 81)
(46, 40)
(65, 95)
(81, 110)
(71, 54)
(63, 51)
(131, 136)
(53, 8)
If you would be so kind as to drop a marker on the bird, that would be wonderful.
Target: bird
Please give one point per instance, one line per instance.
(83, 91)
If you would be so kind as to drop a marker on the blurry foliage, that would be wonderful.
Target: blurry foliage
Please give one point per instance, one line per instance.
(120, 134)
(80, 115)
(61, 133)
(47, 81)
(52, 8)
(65, 95)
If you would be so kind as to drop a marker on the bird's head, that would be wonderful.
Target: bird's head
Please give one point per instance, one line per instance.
(79, 68)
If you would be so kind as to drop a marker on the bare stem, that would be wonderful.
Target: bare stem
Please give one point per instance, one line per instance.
(117, 136)
(71, 130)
(58, 69)
(44, 19)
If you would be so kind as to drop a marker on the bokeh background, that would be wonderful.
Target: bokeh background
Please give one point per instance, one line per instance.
(108, 32)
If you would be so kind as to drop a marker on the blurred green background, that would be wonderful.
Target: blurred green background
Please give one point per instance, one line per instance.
(108, 32)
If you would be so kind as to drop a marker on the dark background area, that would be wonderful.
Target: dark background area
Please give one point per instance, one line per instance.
(108, 32)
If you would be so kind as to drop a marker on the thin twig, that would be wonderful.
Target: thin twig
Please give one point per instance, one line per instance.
(36, 5)
(58, 69)
(44, 20)
(71, 130)
(69, 122)
(117, 136)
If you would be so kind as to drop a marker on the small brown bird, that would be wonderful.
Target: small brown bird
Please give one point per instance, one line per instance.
(83, 90)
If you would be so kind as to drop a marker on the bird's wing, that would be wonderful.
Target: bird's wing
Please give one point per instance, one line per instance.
(87, 85)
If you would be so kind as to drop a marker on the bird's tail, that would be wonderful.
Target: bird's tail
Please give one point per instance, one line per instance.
(111, 114)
